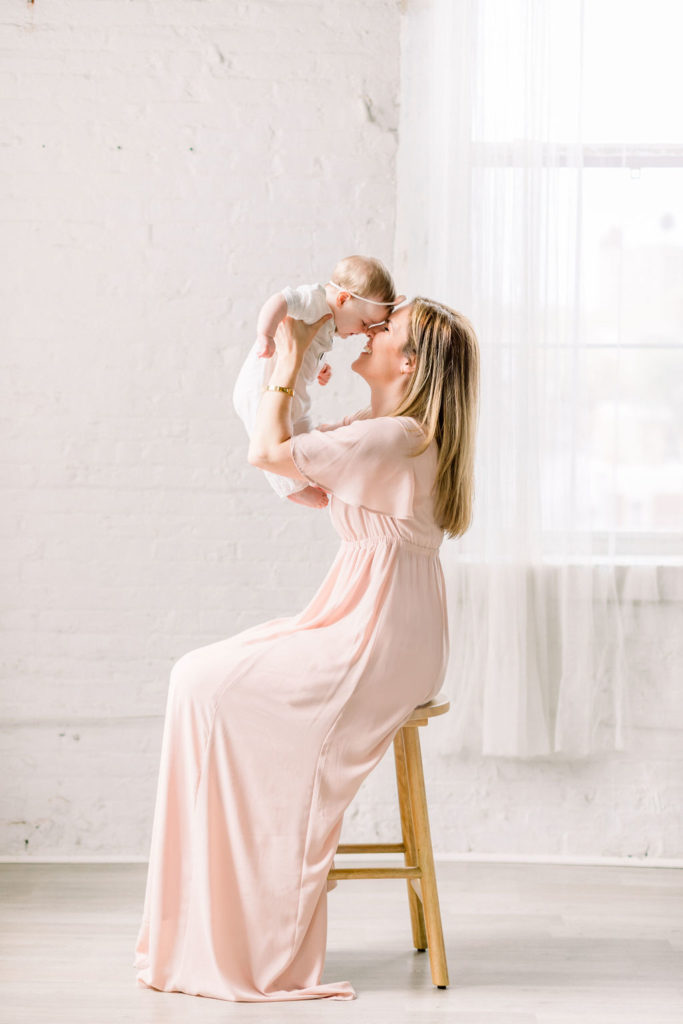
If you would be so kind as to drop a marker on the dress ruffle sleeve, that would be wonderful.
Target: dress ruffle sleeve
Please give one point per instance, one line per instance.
(365, 462)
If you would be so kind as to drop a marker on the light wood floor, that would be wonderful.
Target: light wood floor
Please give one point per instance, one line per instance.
(526, 944)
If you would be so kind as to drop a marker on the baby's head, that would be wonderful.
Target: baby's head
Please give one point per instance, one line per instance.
(360, 293)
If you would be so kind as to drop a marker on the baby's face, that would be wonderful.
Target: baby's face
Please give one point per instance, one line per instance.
(355, 316)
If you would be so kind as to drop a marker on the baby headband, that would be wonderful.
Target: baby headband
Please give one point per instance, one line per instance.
(373, 302)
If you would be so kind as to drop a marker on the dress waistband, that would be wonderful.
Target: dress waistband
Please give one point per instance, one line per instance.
(399, 542)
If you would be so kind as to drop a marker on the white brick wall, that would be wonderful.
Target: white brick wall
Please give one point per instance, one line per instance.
(166, 165)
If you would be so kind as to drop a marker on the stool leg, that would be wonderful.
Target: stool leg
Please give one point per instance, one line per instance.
(417, 919)
(425, 857)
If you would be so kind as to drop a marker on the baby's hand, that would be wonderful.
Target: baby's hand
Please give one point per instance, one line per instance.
(325, 374)
(265, 346)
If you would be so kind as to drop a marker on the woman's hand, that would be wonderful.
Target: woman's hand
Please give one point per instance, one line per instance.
(293, 337)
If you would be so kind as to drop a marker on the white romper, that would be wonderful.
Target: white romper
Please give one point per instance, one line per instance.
(308, 303)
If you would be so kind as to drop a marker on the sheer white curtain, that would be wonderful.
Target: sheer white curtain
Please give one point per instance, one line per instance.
(489, 221)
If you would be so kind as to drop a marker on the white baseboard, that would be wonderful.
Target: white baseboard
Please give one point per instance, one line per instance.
(92, 859)
(597, 861)
(474, 858)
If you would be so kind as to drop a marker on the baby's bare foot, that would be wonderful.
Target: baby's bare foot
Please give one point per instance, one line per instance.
(313, 497)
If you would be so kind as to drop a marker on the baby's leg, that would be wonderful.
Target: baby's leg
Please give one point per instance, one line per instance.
(310, 496)
(246, 396)
(313, 497)
(247, 392)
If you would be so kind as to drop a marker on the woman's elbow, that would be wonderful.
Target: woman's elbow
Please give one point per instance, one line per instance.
(267, 456)
(256, 457)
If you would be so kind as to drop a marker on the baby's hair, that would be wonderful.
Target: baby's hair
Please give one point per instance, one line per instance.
(367, 277)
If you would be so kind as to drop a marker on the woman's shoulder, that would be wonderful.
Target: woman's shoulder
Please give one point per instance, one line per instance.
(405, 422)
(389, 432)
(391, 428)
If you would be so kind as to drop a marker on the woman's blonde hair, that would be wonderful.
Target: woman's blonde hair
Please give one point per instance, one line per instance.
(443, 396)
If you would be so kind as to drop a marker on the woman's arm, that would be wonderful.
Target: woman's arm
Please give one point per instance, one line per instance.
(269, 447)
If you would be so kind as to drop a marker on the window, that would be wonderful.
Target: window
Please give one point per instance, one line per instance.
(628, 357)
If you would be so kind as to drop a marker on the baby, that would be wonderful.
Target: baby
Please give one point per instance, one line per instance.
(360, 295)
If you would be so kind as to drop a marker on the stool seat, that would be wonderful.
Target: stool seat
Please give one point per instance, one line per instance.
(416, 847)
(438, 705)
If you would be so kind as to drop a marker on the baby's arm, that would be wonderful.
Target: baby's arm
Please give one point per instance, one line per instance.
(272, 312)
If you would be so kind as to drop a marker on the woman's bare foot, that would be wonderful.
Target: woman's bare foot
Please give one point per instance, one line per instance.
(313, 497)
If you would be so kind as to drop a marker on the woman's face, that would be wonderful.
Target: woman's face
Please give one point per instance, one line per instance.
(382, 360)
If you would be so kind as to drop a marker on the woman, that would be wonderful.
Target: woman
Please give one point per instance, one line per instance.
(269, 734)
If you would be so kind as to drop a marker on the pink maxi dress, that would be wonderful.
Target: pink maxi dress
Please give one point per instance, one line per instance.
(268, 734)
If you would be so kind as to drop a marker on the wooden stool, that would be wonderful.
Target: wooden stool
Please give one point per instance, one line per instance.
(416, 847)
